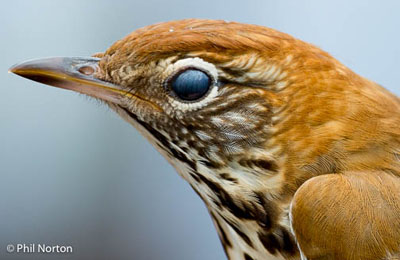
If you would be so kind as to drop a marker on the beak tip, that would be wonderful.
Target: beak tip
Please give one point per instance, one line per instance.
(13, 69)
(17, 68)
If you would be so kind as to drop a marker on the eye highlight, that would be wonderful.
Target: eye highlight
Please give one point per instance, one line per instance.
(190, 84)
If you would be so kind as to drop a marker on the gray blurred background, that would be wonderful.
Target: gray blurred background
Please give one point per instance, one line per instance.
(73, 173)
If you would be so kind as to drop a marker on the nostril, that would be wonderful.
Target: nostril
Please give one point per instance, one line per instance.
(87, 70)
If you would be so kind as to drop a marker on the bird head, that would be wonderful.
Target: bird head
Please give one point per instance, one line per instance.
(210, 93)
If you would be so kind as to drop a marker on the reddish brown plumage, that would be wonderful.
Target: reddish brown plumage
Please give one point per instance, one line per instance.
(221, 40)
(352, 215)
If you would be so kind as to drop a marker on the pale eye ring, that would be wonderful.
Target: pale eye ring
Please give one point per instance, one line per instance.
(190, 84)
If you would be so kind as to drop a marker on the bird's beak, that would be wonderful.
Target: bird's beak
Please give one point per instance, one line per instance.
(77, 74)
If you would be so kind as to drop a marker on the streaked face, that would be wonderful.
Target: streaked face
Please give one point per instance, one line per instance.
(184, 95)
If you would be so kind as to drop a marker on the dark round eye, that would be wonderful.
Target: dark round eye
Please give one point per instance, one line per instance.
(191, 84)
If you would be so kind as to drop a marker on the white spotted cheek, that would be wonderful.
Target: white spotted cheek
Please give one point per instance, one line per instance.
(196, 63)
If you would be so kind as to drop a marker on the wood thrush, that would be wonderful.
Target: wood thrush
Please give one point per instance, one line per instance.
(295, 155)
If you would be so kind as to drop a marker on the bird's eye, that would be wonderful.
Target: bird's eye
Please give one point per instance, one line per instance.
(191, 84)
